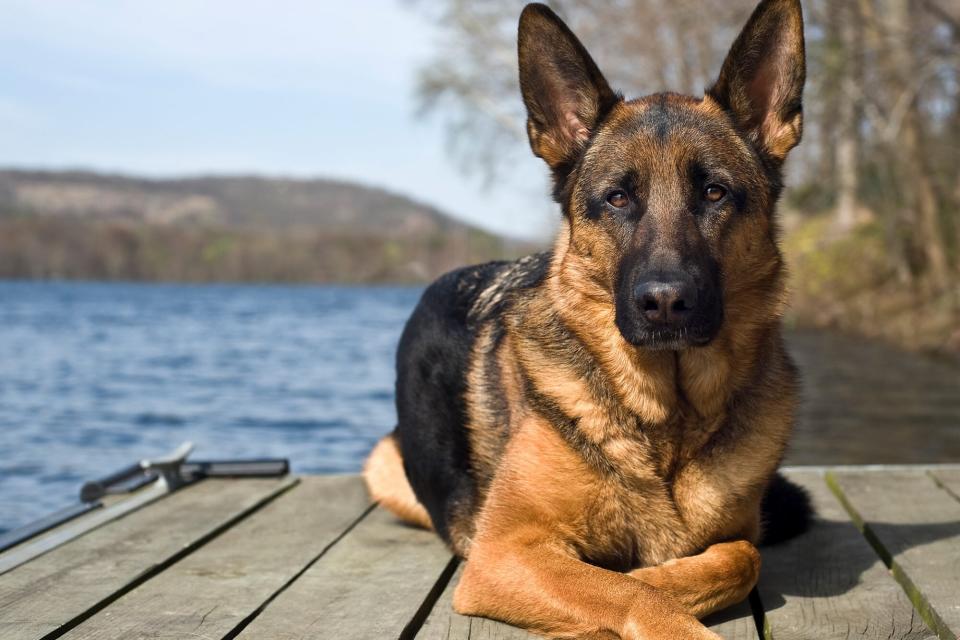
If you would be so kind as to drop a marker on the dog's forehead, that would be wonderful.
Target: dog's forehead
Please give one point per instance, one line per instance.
(664, 125)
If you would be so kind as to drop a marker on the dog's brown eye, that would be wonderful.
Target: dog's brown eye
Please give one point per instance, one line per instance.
(714, 193)
(618, 199)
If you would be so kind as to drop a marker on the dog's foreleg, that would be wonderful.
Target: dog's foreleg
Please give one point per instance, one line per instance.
(543, 587)
(721, 576)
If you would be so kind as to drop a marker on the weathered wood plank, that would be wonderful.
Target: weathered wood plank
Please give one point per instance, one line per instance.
(735, 623)
(54, 591)
(444, 623)
(211, 592)
(829, 584)
(371, 584)
(915, 525)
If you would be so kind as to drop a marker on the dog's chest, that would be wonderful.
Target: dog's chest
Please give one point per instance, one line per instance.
(635, 518)
(639, 452)
(635, 524)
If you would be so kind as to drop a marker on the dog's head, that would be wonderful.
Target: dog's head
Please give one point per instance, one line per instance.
(668, 200)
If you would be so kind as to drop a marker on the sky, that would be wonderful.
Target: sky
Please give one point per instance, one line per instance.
(280, 88)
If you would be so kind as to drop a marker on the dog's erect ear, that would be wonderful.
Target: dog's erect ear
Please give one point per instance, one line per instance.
(565, 93)
(761, 82)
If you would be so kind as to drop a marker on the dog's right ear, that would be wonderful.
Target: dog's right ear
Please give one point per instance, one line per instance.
(565, 93)
(761, 82)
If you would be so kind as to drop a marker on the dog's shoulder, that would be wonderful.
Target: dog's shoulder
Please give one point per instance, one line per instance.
(509, 278)
(474, 294)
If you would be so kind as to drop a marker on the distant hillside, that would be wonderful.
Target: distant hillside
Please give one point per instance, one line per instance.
(90, 225)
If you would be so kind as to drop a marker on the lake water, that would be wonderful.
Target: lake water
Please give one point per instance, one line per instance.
(96, 376)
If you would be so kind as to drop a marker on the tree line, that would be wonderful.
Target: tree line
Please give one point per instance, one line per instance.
(71, 248)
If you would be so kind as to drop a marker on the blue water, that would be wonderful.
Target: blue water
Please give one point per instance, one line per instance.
(96, 376)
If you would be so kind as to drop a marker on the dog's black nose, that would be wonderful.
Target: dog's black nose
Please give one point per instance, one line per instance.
(666, 302)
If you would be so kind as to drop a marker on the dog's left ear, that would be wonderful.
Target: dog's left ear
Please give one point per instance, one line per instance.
(761, 82)
(565, 94)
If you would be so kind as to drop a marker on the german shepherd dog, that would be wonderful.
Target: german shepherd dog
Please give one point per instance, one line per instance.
(595, 428)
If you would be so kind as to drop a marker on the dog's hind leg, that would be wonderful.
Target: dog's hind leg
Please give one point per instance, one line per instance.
(387, 483)
(721, 576)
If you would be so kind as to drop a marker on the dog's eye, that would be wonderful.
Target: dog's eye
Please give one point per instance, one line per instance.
(714, 193)
(618, 199)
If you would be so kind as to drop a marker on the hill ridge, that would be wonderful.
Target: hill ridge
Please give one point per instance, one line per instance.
(81, 224)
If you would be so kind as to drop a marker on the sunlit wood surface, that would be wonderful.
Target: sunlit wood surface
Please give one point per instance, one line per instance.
(310, 557)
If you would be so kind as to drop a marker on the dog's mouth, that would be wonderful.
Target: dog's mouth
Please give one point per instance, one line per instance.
(658, 339)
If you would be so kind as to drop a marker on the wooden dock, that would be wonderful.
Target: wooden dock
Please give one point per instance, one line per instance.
(310, 557)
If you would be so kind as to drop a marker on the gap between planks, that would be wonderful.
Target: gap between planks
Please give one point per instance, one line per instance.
(377, 582)
(243, 624)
